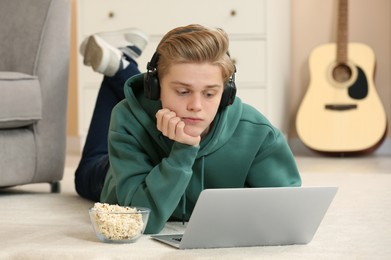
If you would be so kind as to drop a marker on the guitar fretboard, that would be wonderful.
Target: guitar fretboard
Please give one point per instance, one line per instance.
(342, 35)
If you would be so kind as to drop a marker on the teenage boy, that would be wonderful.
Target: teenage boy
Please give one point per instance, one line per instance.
(179, 130)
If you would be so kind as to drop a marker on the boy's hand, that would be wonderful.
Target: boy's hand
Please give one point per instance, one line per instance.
(174, 128)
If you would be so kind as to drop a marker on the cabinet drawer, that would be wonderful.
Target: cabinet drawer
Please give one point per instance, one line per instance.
(250, 60)
(249, 57)
(254, 96)
(236, 17)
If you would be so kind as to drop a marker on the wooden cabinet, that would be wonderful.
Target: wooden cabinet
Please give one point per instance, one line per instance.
(259, 43)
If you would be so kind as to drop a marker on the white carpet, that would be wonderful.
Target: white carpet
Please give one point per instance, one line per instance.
(35, 224)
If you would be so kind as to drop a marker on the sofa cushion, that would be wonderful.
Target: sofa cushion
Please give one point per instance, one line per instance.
(20, 100)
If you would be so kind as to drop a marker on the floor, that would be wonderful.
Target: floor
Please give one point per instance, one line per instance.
(357, 225)
(377, 162)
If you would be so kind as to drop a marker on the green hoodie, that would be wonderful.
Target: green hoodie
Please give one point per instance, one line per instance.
(149, 170)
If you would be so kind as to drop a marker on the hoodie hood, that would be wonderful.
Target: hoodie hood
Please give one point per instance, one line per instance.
(145, 109)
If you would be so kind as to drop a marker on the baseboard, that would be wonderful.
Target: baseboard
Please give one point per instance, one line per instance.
(298, 148)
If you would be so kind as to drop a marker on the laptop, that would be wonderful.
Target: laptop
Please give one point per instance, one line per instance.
(243, 217)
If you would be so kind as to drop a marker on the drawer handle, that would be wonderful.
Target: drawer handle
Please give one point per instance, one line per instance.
(111, 14)
(233, 12)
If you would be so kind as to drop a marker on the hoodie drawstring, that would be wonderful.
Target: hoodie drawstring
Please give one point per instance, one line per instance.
(202, 172)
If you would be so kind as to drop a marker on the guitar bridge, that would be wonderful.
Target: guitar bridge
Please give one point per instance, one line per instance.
(341, 107)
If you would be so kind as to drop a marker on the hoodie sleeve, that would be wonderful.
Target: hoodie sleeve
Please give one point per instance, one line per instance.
(133, 180)
(274, 164)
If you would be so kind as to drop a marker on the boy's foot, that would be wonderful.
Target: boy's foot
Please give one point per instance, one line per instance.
(101, 56)
(130, 41)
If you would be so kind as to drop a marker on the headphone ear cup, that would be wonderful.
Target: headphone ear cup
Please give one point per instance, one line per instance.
(229, 94)
(151, 85)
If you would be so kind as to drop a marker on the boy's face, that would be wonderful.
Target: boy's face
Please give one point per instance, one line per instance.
(193, 91)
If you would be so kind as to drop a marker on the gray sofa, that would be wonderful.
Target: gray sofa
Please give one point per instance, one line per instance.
(34, 59)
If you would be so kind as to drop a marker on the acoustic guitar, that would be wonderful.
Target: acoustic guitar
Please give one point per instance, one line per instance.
(341, 112)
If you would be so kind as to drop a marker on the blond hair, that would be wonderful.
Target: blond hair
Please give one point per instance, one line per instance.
(195, 43)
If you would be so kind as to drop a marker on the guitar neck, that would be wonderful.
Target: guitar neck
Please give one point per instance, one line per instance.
(342, 35)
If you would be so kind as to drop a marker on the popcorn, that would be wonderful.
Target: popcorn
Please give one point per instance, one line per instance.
(115, 223)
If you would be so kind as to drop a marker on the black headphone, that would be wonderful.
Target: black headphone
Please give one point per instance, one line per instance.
(152, 85)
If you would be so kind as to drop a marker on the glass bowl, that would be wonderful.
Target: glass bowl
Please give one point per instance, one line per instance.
(116, 224)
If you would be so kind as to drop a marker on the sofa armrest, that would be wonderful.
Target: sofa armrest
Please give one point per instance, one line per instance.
(20, 100)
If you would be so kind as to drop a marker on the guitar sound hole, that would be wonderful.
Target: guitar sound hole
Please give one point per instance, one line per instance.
(342, 73)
